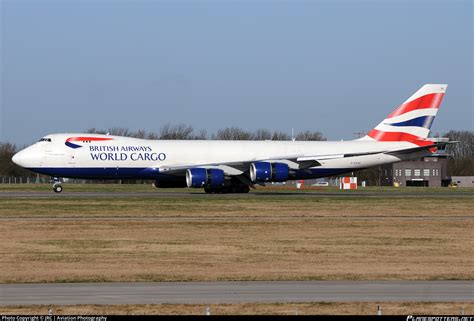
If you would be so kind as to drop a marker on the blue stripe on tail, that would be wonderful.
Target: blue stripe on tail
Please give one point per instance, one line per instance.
(423, 121)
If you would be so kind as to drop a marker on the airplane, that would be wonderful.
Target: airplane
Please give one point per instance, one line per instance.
(236, 166)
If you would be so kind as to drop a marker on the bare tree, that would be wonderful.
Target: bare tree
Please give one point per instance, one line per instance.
(233, 133)
(461, 167)
(168, 131)
(465, 146)
(183, 131)
(310, 135)
(94, 130)
(280, 136)
(371, 175)
(140, 134)
(461, 161)
(116, 131)
(119, 131)
(263, 134)
(202, 134)
(152, 135)
(180, 131)
(7, 167)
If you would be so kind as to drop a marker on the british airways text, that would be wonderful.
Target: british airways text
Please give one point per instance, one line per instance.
(122, 153)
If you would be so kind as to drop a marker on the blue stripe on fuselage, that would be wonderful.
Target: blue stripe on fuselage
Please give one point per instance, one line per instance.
(150, 173)
(98, 172)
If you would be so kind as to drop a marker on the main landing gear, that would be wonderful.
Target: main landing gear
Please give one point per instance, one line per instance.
(57, 187)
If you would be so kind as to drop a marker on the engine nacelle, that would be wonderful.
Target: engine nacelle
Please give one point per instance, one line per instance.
(269, 172)
(205, 177)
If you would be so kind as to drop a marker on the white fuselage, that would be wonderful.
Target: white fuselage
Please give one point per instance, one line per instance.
(128, 157)
(234, 166)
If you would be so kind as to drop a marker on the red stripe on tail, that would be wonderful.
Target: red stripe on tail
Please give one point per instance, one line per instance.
(398, 137)
(392, 136)
(426, 101)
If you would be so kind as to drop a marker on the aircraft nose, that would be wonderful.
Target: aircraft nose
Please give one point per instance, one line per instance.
(24, 159)
(17, 158)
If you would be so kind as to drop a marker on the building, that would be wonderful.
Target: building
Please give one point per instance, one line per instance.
(429, 171)
(463, 181)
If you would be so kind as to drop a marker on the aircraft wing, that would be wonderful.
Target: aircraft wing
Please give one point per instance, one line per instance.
(295, 162)
(318, 158)
(230, 168)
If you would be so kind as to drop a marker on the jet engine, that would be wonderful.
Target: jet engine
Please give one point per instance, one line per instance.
(269, 172)
(205, 177)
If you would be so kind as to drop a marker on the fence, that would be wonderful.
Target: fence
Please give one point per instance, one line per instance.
(47, 180)
(22, 180)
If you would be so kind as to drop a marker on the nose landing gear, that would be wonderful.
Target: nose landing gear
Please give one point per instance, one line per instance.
(57, 187)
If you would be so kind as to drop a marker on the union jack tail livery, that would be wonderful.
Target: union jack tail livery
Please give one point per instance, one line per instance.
(412, 120)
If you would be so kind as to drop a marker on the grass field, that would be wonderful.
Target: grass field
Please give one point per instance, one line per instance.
(350, 308)
(415, 235)
(147, 188)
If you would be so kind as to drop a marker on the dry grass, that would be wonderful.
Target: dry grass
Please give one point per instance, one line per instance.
(255, 205)
(351, 308)
(235, 249)
(147, 187)
(259, 237)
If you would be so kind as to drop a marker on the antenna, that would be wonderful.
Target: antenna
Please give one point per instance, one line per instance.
(293, 134)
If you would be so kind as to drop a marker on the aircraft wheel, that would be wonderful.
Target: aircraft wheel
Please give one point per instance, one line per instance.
(57, 188)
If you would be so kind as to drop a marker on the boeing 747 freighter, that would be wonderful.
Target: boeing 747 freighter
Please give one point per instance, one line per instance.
(236, 166)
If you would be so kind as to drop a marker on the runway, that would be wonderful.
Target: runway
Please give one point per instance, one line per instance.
(187, 193)
(235, 292)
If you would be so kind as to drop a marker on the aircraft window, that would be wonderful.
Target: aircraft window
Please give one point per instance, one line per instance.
(45, 140)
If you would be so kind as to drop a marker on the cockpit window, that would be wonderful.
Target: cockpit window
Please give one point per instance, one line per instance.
(45, 140)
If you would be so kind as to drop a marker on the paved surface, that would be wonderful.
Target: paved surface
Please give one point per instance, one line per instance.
(187, 193)
(233, 292)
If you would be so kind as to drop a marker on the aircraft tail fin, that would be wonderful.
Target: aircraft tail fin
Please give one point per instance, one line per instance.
(411, 121)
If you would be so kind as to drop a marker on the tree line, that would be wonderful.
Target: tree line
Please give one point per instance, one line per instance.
(187, 132)
(461, 162)
(7, 167)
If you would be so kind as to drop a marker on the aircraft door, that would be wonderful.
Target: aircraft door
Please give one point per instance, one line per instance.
(72, 158)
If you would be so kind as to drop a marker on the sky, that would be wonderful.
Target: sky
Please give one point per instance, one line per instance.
(335, 66)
